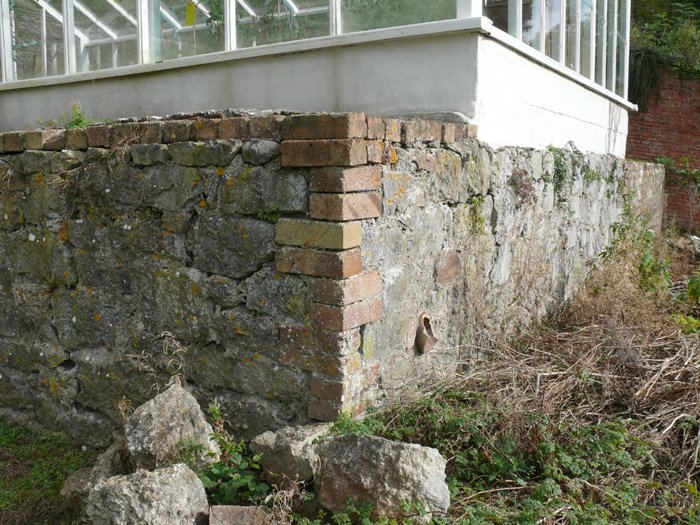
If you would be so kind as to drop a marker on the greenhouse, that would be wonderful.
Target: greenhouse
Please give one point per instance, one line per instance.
(44, 38)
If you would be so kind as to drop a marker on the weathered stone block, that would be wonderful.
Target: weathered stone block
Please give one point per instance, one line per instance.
(259, 152)
(36, 162)
(172, 496)
(261, 190)
(12, 142)
(392, 130)
(328, 365)
(316, 234)
(447, 267)
(376, 128)
(314, 340)
(149, 132)
(98, 136)
(67, 160)
(345, 180)
(319, 264)
(323, 153)
(266, 127)
(213, 153)
(237, 515)
(347, 291)
(149, 154)
(176, 131)
(322, 410)
(379, 152)
(345, 207)
(339, 318)
(231, 247)
(205, 129)
(32, 140)
(122, 134)
(233, 128)
(333, 126)
(328, 390)
(76, 139)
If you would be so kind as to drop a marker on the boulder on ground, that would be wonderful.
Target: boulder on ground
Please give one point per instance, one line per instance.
(158, 431)
(289, 455)
(370, 469)
(237, 515)
(112, 462)
(168, 496)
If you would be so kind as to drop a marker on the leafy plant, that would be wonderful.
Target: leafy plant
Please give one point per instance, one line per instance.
(271, 214)
(235, 479)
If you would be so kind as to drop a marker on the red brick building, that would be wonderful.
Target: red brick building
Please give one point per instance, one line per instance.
(671, 128)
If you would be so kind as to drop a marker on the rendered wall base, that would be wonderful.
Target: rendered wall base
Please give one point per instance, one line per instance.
(291, 255)
(464, 68)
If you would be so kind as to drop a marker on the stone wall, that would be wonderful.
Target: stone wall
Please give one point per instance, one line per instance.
(292, 255)
(646, 181)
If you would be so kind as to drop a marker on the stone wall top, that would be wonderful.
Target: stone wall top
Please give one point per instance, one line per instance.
(217, 125)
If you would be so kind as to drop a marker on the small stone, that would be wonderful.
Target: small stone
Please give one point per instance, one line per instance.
(157, 430)
(168, 496)
(370, 469)
(66, 161)
(259, 152)
(149, 154)
(289, 455)
(237, 515)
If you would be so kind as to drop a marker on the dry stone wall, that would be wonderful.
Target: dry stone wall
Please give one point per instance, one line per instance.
(291, 254)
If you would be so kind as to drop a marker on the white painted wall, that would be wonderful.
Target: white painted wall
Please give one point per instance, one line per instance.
(519, 102)
(515, 96)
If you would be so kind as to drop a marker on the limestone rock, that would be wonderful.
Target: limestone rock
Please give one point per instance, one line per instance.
(237, 515)
(695, 241)
(289, 454)
(112, 462)
(169, 496)
(259, 152)
(370, 469)
(157, 429)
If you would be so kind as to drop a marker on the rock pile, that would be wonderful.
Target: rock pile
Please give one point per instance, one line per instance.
(135, 481)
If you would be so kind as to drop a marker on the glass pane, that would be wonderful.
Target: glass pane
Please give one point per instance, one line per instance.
(621, 47)
(38, 49)
(611, 39)
(552, 42)
(276, 21)
(532, 23)
(361, 15)
(572, 29)
(110, 28)
(497, 12)
(586, 36)
(188, 28)
(600, 40)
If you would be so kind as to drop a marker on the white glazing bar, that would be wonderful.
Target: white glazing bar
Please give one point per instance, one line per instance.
(469, 8)
(542, 14)
(612, 47)
(247, 8)
(628, 30)
(602, 45)
(93, 18)
(515, 18)
(577, 37)
(335, 17)
(69, 48)
(591, 70)
(115, 55)
(84, 55)
(44, 53)
(8, 73)
(561, 52)
(145, 35)
(230, 25)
